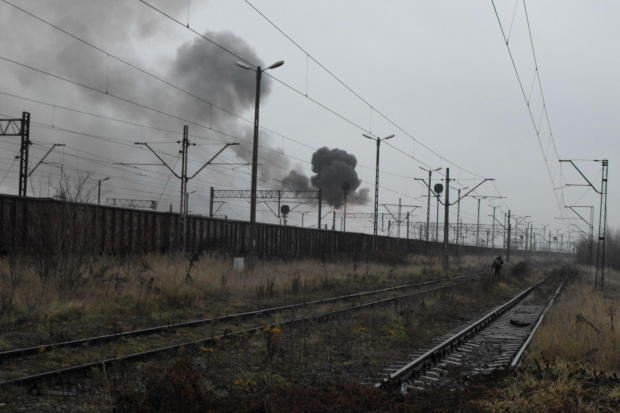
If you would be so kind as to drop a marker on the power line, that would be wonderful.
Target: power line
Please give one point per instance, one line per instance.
(372, 108)
(178, 118)
(527, 101)
(180, 89)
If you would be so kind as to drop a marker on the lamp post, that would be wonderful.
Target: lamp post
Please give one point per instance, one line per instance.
(99, 187)
(259, 72)
(375, 223)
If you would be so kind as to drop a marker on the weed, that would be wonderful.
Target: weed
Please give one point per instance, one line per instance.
(548, 385)
(296, 284)
(272, 338)
(611, 312)
(7, 304)
(266, 288)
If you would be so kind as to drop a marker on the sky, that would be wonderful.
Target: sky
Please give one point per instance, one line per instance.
(98, 77)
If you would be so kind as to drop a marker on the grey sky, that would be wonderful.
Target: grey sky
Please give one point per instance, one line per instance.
(436, 74)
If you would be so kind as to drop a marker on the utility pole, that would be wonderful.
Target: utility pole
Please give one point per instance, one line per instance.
(527, 226)
(508, 240)
(399, 219)
(21, 128)
(478, 222)
(185, 143)
(505, 230)
(23, 152)
(99, 181)
(437, 226)
(458, 218)
(446, 225)
(345, 188)
(493, 228)
(407, 224)
(602, 222)
(428, 205)
(375, 222)
(517, 222)
(446, 228)
(590, 226)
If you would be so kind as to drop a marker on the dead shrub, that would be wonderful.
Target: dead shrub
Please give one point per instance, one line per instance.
(266, 288)
(177, 388)
(520, 269)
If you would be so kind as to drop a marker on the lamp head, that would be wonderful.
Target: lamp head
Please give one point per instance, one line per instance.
(276, 64)
(243, 66)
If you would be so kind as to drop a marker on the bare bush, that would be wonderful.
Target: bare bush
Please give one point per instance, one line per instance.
(63, 242)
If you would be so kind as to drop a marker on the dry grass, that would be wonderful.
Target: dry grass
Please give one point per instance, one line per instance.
(583, 326)
(574, 358)
(556, 387)
(151, 289)
(309, 355)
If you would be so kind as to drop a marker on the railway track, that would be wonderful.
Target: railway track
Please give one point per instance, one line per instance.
(496, 341)
(59, 361)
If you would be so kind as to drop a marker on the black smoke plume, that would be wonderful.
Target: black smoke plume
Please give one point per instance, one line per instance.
(332, 168)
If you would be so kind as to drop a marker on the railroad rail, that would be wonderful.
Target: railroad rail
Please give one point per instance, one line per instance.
(226, 326)
(497, 340)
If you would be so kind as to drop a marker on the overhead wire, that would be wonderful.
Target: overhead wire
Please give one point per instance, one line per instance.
(141, 70)
(304, 94)
(537, 127)
(172, 85)
(372, 108)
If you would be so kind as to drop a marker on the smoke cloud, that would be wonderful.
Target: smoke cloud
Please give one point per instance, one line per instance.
(198, 66)
(332, 168)
(205, 70)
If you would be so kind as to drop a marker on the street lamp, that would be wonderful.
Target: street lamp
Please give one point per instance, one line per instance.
(375, 223)
(259, 72)
(99, 187)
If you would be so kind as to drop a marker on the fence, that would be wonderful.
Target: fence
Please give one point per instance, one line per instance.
(28, 224)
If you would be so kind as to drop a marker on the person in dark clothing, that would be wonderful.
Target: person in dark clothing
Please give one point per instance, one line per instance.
(497, 264)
